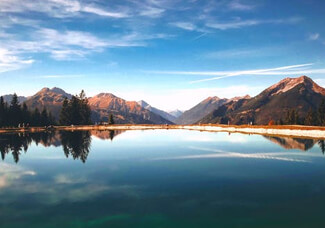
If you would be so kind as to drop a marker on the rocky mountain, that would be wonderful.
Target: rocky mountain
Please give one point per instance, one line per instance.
(273, 103)
(102, 105)
(157, 111)
(201, 110)
(124, 111)
(51, 99)
(176, 113)
(8, 98)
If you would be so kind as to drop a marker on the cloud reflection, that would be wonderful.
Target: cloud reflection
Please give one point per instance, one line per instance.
(227, 154)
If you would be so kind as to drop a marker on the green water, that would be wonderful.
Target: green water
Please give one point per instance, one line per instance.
(161, 178)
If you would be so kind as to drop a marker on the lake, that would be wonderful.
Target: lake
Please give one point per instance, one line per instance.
(160, 178)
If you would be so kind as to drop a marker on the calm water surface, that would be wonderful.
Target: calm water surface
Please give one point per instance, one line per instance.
(161, 178)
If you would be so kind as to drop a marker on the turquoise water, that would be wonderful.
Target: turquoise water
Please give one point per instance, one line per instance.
(160, 178)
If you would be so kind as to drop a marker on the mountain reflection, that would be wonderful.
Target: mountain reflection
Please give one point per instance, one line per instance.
(75, 144)
(297, 143)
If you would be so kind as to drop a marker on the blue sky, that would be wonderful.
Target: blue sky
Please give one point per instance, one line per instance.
(170, 53)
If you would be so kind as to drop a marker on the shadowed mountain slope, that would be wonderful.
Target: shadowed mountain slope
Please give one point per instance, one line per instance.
(273, 103)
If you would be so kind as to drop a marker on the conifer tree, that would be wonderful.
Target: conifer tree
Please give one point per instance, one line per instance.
(111, 119)
(310, 118)
(2, 112)
(321, 113)
(44, 118)
(14, 111)
(26, 115)
(36, 118)
(64, 118)
(76, 111)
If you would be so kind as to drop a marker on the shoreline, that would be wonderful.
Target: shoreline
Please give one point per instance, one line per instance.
(313, 132)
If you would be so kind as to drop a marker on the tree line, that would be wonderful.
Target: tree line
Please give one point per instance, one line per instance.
(74, 111)
(16, 115)
(314, 117)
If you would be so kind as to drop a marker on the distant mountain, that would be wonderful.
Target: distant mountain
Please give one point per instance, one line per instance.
(176, 113)
(201, 110)
(124, 111)
(51, 99)
(300, 94)
(157, 111)
(8, 98)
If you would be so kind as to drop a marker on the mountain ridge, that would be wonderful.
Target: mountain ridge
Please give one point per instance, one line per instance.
(157, 111)
(300, 93)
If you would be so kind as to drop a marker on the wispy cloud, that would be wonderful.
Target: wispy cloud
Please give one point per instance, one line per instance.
(239, 23)
(69, 45)
(184, 25)
(237, 5)
(226, 154)
(253, 52)
(299, 69)
(314, 36)
(9, 61)
(60, 76)
(58, 8)
(151, 11)
(105, 13)
(233, 53)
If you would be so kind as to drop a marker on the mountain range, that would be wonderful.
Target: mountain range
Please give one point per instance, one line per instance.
(204, 108)
(104, 104)
(301, 94)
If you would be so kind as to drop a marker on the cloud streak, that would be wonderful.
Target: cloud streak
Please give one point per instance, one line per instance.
(226, 154)
(298, 69)
(58, 8)
(236, 24)
(65, 45)
(9, 61)
(236, 5)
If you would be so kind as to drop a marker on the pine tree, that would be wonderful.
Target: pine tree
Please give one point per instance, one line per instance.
(15, 111)
(64, 118)
(74, 108)
(111, 119)
(85, 110)
(321, 144)
(26, 115)
(295, 117)
(321, 113)
(51, 119)
(2, 112)
(310, 118)
(288, 119)
(76, 111)
(36, 118)
(44, 118)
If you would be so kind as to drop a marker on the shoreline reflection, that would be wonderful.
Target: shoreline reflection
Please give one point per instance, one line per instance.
(77, 144)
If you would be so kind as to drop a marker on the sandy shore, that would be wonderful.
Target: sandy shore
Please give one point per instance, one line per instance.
(283, 130)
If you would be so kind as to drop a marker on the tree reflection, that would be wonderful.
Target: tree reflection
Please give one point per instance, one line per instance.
(77, 144)
(321, 144)
(14, 144)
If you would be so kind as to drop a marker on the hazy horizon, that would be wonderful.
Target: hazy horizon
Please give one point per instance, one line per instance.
(171, 54)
